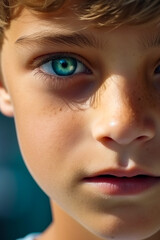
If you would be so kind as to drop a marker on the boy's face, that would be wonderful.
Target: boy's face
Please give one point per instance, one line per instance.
(86, 101)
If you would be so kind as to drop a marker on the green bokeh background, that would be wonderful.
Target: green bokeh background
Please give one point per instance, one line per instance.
(24, 208)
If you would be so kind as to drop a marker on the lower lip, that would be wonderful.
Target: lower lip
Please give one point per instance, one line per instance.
(123, 185)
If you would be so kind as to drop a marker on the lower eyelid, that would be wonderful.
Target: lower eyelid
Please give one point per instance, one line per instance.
(52, 77)
(55, 83)
(50, 81)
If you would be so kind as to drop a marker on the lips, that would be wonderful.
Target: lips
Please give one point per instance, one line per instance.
(122, 173)
(122, 183)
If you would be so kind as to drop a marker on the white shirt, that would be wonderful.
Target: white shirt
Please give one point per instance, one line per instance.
(31, 236)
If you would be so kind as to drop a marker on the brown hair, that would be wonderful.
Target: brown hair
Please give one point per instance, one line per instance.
(101, 12)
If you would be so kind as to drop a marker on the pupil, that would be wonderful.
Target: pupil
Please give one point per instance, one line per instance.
(64, 64)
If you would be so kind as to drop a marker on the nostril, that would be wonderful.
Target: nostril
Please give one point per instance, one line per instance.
(124, 133)
(107, 139)
(124, 140)
(142, 138)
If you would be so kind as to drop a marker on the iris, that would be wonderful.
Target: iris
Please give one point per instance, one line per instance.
(64, 66)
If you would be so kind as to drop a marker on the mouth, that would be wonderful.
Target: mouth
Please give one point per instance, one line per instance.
(122, 185)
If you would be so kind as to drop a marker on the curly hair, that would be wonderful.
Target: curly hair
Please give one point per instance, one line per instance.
(99, 12)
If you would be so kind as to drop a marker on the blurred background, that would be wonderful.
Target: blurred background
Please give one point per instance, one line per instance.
(24, 208)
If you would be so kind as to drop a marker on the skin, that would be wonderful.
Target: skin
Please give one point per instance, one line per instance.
(111, 122)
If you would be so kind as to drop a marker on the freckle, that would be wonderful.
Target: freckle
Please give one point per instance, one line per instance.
(60, 109)
(139, 99)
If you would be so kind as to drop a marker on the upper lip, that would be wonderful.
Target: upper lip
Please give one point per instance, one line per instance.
(121, 173)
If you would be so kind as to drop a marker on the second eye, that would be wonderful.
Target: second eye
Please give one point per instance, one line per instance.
(64, 66)
(157, 70)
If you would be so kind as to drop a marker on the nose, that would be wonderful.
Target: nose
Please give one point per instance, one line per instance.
(123, 117)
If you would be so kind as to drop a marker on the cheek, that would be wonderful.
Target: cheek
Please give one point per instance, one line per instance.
(44, 135)
(47, 133)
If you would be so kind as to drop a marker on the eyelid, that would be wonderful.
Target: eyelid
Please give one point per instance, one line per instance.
(59, 83)
(37, 62)
(157, 66)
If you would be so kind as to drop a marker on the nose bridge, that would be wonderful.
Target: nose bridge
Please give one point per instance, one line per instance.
(126, 103)
(126, 97)
(125, 111)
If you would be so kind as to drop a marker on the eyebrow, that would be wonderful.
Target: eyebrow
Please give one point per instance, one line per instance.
(151, 41)
(73, 39)
(80, 40)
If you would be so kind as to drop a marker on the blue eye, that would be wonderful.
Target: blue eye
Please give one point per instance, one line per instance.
(157, 70)
(64, 66)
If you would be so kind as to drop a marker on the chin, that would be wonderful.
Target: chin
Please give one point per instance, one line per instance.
(120, 230)
(124, 235)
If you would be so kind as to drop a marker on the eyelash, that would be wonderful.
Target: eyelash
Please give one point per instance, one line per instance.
(156, 69)
(58, 80)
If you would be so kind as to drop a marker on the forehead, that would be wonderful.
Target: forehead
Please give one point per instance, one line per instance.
(37, 26)
(28, 22)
